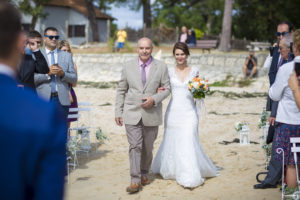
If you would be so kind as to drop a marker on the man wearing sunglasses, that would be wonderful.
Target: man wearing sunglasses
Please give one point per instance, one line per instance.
(33, 61)
(55, 85)
(284, 29)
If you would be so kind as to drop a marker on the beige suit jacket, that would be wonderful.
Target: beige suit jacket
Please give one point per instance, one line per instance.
(130, 92)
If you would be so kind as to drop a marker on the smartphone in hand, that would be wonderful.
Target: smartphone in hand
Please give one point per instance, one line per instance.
(297, 68)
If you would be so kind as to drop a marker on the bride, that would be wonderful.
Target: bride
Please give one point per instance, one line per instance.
(180, 155)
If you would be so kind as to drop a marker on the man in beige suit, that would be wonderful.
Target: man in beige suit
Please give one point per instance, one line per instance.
(139, 105)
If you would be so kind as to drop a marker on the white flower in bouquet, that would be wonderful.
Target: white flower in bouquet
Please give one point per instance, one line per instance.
(198, 87)
(195, 85)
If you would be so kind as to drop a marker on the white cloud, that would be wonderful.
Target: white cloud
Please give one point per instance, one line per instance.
(126, 16)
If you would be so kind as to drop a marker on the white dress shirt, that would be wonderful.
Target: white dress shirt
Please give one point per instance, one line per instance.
(48, 52)
(268, 62)
(287, 111)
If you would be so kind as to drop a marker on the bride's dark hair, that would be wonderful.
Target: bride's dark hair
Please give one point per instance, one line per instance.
(182, 46)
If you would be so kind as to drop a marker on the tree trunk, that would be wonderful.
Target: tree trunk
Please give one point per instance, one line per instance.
(93, 20)
(208, 24)
(33, 23)
(147, 13)
(226, 27)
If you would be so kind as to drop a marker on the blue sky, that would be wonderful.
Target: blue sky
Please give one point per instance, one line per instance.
(126, 16)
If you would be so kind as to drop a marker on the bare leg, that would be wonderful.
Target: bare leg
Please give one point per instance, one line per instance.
(245, 71)
(291, 176)
(254, 70)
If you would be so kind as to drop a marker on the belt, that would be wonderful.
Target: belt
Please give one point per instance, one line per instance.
(54, 94)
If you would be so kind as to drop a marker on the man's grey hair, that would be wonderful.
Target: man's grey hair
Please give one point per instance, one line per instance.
(288, 39)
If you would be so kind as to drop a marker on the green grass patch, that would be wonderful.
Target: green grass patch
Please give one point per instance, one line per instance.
(101, 85)
(233, 95)
(245, 82)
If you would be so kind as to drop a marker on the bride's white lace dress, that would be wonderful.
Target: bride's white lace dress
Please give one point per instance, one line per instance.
(180, 155)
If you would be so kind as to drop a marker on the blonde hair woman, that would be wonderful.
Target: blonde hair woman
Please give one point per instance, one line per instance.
(64, 45)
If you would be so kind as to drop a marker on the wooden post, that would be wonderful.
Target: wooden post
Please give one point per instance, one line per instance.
(67, 29)
(177, 34)
(87, 32)
(107, 30)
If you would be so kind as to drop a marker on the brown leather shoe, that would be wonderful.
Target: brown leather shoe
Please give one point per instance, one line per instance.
(145, 180)
(134, 187)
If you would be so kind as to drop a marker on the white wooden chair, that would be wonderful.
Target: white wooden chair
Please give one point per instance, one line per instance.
(85, 146)
(294, 141)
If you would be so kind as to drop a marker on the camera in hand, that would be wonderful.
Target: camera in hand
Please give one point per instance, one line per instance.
(297, 68)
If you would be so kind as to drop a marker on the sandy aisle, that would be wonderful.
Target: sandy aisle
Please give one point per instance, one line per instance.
(105, 174)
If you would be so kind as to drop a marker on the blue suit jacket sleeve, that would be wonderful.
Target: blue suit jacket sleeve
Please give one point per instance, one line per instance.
(52, 165)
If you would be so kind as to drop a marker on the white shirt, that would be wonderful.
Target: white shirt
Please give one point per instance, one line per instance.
(6, 70)
(287, 111)
(49, 56)
(48, 53)
(268, 62)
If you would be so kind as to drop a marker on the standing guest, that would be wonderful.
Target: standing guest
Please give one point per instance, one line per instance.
(192, 36)
(288, 114)
(33, 150)
(138, 103)
(33, 61)
(64, 45)
(184, 36)
(294, 82)
(55, 85)
(250, 66)
(283, 28)
(121, 37)
(275, 167)
(284, 50)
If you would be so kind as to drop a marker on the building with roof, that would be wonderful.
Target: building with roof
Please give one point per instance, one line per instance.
(70, 17)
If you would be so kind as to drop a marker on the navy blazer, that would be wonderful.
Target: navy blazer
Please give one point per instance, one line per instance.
(273, 67)
(29, 66)
(33, 145)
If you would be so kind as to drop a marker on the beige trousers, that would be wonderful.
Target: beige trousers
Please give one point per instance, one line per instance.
(141, 139)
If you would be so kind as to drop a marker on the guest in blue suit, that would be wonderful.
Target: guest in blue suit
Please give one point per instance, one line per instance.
(32, 133)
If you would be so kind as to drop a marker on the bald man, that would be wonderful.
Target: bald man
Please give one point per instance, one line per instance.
(139, 107)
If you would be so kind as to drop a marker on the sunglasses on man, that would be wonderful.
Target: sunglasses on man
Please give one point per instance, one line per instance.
(281, 33)
(51, 37)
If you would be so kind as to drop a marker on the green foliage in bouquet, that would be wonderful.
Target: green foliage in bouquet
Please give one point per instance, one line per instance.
(263, 119)
(239, 125)
(267, 148)
(73, 145)
(101, 137)
(199, 87)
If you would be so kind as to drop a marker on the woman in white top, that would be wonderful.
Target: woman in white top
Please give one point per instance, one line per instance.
(288, 114)
(295, 87)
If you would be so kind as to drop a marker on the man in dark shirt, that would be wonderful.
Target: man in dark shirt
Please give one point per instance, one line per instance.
(33, 61)
(250, 67)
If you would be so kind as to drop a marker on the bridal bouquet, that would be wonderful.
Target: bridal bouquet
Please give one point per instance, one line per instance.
(199, 87)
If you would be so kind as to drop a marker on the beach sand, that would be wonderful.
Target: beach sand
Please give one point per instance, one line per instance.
(104, 174)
